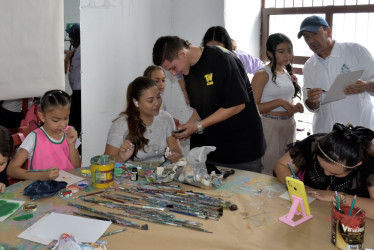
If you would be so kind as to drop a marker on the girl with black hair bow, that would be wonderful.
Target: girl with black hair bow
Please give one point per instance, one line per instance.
(342, 161)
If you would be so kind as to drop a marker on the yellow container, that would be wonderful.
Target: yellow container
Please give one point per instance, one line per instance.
(102, 171)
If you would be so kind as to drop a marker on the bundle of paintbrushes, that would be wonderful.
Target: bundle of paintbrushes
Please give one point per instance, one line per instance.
(106, 216)
(136, 212)
(156, 203)
(188, 197)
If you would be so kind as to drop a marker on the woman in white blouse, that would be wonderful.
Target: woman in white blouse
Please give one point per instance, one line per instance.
(143, 131)
(274, 88)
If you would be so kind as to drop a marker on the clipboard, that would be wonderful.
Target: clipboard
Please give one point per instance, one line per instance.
(336, 91)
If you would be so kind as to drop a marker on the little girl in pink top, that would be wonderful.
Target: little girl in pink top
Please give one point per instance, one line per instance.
(50, 147)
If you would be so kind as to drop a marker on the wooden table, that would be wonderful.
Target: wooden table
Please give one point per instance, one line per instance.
(254, 225)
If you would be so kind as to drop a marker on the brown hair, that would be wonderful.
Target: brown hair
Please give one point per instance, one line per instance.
(271, 45)
(54, 98)
(149, 70)
(6, 142)
(135, 124)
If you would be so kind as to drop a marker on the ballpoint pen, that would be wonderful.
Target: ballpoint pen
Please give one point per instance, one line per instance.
(322, 89)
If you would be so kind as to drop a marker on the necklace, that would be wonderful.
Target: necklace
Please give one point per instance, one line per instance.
(318, 177)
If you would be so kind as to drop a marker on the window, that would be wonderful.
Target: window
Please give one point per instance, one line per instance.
(350, 20)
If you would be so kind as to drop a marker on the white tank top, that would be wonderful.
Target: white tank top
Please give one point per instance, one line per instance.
(283, 88)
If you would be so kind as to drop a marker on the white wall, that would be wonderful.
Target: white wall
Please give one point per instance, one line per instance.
(117, 42)
(116, 47)
(242, 21)
(189, 20)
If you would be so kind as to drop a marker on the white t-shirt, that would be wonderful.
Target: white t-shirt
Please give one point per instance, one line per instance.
(283, 88)
(161, 128)
(14, 105)
(356, 109)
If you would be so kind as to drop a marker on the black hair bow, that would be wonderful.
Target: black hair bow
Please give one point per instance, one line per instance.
(357, 133)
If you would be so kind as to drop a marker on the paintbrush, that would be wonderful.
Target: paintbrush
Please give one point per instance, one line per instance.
(94, 217)
(192, 185)
(100, 218)
(114, 232)
(117, 220)
(357, 212)
(85, 195)
(38, 170)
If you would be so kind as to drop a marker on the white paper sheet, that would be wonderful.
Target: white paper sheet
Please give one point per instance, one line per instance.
(2, 218)
(69, 178)
(26, 234)
(336, 91)
(84, 229)
(286, 196)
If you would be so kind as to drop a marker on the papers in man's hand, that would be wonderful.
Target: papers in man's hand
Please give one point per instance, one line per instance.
(336, 91)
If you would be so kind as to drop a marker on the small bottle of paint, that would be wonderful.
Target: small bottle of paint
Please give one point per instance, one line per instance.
(134, 174)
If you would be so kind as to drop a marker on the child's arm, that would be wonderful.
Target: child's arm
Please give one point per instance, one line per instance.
(15, 169)
(281, 168)
(71, 137)
(2, 187)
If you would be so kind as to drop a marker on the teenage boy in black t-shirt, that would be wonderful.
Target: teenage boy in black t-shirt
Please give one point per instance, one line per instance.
(225, 113)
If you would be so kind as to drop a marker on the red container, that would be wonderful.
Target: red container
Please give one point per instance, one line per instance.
(347, 232)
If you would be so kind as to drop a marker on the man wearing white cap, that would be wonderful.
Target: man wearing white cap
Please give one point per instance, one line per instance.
(330, 59)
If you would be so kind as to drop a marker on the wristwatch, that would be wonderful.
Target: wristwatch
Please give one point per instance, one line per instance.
(200, 128)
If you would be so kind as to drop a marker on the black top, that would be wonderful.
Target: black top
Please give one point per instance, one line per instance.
(304, 157)
(218, 80)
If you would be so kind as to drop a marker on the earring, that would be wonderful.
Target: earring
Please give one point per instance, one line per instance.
(136, 104)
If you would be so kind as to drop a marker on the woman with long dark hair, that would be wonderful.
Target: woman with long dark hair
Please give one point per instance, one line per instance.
(274, 91)
(218, 35)
(341, 161)
(143, 131)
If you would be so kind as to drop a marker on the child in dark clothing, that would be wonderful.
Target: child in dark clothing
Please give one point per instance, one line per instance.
(6, 151)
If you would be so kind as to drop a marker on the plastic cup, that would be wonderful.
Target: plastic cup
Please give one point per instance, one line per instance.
(347, 232)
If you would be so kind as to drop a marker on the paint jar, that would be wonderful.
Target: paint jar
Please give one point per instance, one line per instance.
(102, 171)
(85, 171)
(134, 174)
(347, 232)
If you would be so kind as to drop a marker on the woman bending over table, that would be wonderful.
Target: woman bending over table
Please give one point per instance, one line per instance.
(341, 160)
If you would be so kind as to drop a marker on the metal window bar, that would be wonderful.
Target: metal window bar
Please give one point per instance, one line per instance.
(278, 3)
